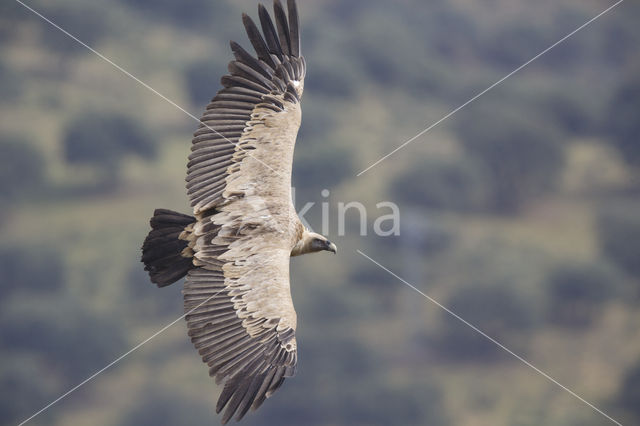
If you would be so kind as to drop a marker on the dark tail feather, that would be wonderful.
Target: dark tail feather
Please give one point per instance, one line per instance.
(162, 251)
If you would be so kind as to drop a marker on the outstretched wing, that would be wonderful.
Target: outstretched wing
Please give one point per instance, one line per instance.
(238, 302)
(241, 319)
(260, 95)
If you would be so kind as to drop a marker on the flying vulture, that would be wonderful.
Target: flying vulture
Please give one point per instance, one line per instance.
(235, 249)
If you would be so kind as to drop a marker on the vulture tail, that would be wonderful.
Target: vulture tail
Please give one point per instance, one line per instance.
(165, 251)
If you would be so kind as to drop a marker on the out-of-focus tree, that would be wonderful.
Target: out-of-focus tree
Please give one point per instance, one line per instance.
(384, 404)
(571, 111)
(619, 237)
(458, 343)
(577, 291)
(497, 309)
(322, 166)
(10, 82)
(187, 13)
(73, 346)
(202, 79)
(85, 20)
(351, 388)
(26, 385)
(624, 119)
(522, 157)
(327, 305)
(629, 394)
(161, 406)
(102, 139)
(331, 79)
(442, 184)
(375, 282)
(30, 269)
(152, 303)
(511, 45)
(22, 168)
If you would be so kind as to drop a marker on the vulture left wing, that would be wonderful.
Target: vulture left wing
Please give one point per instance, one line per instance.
(248, 131)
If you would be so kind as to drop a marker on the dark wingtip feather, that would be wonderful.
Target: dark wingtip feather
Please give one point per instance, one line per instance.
(283, 27)
(239, 392)
(225, 396)
(249, 397)
(294, 27)
(256, 40)
(245, 57)
(260, 395)
(269, 31)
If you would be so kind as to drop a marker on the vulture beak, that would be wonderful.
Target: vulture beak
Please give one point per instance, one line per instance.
(332, 247)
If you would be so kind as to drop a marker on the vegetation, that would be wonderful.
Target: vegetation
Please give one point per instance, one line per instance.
(522, 160)
(189, 13)
(31, 270)
(493, 225)
(442, 184)
(622, 121)
(43, 358)
(102, 139)
(22, 169)
(629, 393)
(202, 81)
(578, 291)
(619, 236)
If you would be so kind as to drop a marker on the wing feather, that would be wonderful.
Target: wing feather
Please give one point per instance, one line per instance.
(246, 58)
(270, 34)
(283, 27)
(257, 41)
(294, 27)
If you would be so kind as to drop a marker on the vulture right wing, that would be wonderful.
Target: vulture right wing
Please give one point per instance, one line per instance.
(241, 320)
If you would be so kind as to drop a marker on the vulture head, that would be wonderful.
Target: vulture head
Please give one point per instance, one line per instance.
(312, 242)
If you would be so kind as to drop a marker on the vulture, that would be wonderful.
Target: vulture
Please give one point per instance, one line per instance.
(234, 250)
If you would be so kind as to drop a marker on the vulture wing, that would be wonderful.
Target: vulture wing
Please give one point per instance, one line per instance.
(240, 313)
(253, 121)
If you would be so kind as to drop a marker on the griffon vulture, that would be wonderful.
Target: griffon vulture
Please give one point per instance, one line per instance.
(235, 249)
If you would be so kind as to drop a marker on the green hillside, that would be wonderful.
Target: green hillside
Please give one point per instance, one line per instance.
(520, 213)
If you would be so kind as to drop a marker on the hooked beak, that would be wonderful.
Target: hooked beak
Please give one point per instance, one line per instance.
(332, 247)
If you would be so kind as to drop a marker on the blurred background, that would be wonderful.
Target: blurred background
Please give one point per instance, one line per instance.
(521, 212)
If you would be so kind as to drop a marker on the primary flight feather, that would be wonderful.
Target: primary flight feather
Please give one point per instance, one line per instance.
(235, 249)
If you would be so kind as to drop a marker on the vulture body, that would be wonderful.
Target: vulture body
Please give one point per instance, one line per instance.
(235, 249)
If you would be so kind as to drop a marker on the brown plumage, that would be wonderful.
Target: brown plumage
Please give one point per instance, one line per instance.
(235, 250)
